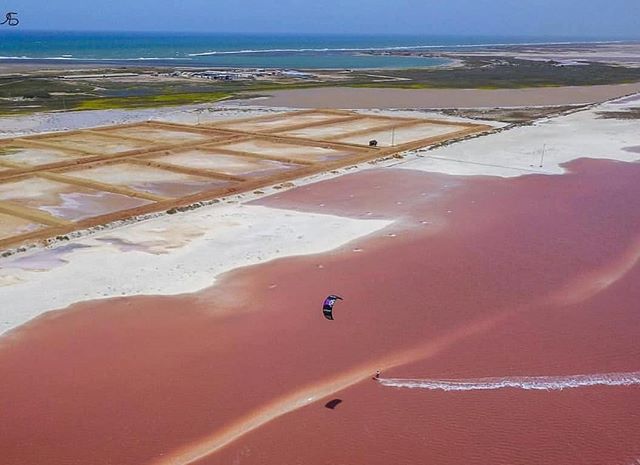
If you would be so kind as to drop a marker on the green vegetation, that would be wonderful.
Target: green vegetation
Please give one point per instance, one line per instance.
(151, 100)
(22, 94)
(506, 73)
(4, 151)
(46, 91)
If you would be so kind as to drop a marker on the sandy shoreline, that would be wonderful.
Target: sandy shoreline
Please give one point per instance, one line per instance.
(623, 53)
(165, 256)
(336, 97)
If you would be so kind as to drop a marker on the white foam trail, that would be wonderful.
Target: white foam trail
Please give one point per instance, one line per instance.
(543, 383)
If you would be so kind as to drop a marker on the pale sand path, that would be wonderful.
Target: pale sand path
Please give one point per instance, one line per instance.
(594, 283)
(354, 98)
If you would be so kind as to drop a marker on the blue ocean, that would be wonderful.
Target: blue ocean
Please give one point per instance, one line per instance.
(312, 51)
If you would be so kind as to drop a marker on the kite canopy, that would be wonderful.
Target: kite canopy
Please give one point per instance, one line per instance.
(327, 306)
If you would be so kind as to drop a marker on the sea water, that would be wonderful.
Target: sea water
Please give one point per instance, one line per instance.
(304, 51)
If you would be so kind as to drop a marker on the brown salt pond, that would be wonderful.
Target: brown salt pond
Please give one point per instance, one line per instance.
(226, 163)
(280, 122)
(148, 179)
(29, 156)
(97, 143)
(287, 151)
(10, 225)
(64, 200)
(480, 277)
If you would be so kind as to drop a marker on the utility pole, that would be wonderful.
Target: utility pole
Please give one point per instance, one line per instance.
(544, 146)
(393, 136)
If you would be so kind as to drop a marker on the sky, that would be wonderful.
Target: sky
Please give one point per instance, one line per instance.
(571, 18)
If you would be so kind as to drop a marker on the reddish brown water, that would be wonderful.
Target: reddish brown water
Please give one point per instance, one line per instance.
(484, 277)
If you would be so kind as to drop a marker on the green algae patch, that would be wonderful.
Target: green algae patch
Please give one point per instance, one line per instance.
(148, 101)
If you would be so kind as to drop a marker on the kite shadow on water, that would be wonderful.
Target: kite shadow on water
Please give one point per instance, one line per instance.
(333, 403)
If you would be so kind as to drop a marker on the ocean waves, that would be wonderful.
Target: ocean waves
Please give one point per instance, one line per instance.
(377, 49)
(306, 50)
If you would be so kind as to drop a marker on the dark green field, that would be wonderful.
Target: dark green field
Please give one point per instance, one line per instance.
(510, 73)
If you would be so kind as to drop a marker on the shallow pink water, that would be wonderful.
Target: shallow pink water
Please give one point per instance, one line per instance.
(128, 381)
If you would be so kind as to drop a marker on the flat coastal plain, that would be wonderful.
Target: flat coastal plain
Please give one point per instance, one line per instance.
(492, 280)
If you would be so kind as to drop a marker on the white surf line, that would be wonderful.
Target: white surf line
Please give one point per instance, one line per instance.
(575, 291)
(542, 383)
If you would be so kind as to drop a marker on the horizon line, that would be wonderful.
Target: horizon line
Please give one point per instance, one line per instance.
(591, 37)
